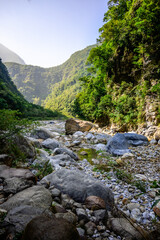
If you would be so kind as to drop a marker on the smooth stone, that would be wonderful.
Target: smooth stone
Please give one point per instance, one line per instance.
(90, 228)
(45, 228)
(37, 196)
(89, 136)
(82, 214)
(55, 192)
(118, 145)
(124, 228)
(141, 177)
(67, 151)
(79, 186)
(101, 215)
(15, 184)
(153, 142)
(132, 206)
(69, 216)
(81, 231)
(100, 147)
(42, 133)
(20, 216)
(95, 203)
(136, 214)
(7, 172)
(50, 143)
(73, 125)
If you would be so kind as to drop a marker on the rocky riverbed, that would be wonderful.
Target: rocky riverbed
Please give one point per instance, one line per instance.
(102, 195)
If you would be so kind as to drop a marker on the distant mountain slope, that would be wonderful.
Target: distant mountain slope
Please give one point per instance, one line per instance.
(11, 98)
(58, 84)
(8, 56)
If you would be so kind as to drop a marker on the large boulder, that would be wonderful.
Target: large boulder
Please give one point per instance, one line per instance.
(36, 196)
(124, 228)
(42, 133)
(7, 172)
(25, 205)
(50, 143)
(135, 139)
(74, 125)
(45, 228)
(79, 186)
(119, 143)
(15, 184)
(60, 160)
(20, 216)
(25, 146)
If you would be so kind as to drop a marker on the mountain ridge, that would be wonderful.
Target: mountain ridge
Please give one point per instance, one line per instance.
(8, 55)
(12, 99)
(38, 83)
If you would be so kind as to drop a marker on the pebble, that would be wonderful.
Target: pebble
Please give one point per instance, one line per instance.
(142, 163)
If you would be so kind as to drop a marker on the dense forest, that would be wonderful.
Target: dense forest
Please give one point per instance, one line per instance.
(125, 74)
(54, 88)
(12, 99)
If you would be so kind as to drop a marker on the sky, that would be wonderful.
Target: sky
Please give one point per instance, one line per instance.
(46, 32)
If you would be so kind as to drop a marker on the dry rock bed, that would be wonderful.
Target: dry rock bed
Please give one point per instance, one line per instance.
(82, 182)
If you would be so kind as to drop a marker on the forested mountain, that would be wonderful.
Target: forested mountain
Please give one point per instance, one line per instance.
(124, 85)
(11, 98)
(8, 56)
(58, 84)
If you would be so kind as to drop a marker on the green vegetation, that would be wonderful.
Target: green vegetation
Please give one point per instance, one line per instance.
(10, 126)
(103, 168)
(90, 154)
(54, 88)
(155, 184)
(141, 185)
(125, 71)
(42, 169)
(123, 175)
(11, 98)
(14, 112)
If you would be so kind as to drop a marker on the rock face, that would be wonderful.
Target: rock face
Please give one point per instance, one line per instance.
(45, 228)
(119, 143)
(74, 125)
(79, 186)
